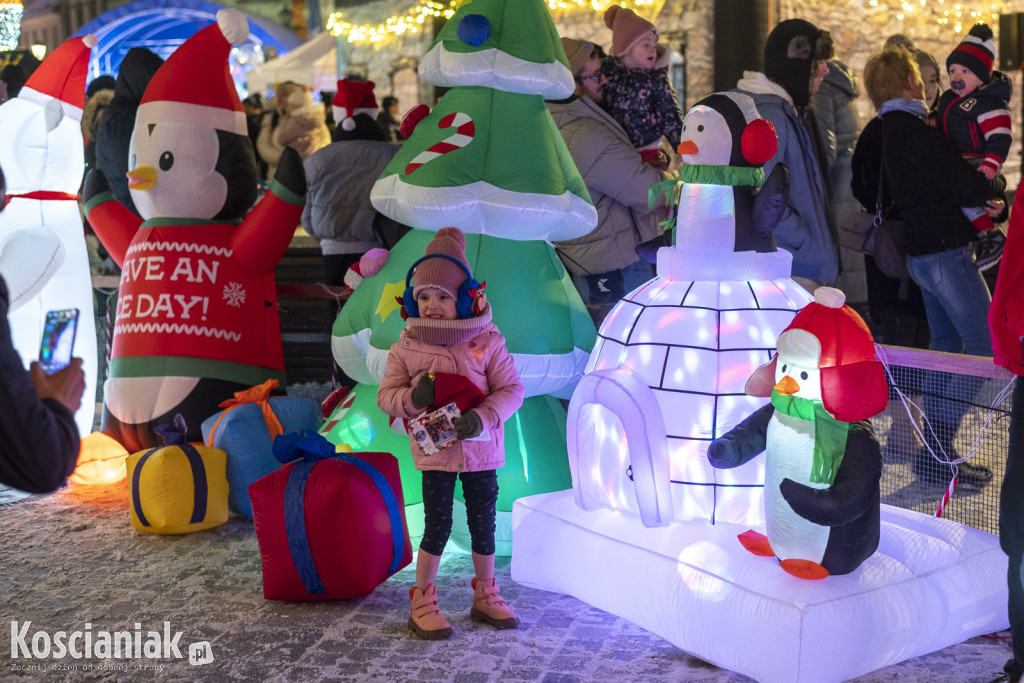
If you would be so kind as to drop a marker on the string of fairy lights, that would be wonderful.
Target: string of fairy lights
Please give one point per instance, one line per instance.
(956, 16)
(413, 19)
(10, 24)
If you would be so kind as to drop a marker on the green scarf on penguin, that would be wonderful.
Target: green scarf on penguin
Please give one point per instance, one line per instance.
(829, 433)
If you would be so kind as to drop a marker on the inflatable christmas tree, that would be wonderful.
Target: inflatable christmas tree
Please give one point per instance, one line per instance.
(489, 160)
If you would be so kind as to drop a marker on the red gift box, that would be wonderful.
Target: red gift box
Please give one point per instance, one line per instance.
(330, 526)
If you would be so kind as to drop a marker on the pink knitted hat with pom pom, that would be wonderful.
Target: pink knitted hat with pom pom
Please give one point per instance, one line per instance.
(439, 272)
(627, 28)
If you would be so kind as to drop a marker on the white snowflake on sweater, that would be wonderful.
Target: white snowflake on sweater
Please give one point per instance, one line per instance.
(234, 294)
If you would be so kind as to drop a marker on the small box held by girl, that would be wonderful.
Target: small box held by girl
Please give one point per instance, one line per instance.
(449, 334)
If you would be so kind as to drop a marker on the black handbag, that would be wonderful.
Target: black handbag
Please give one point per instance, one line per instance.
(886, 243)
(885, 239)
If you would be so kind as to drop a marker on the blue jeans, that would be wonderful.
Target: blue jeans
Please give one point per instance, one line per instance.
(956, 301)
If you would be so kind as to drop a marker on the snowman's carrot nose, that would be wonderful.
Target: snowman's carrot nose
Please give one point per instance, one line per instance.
(787, 386)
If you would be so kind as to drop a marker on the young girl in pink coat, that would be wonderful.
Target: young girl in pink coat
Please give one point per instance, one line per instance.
(450, 333)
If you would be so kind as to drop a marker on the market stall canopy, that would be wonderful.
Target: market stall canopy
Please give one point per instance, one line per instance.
(314, 63)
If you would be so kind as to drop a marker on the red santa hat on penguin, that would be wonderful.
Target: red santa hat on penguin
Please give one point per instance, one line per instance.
(353, 98)
(195, 84)
(61, 77)
(853, 385)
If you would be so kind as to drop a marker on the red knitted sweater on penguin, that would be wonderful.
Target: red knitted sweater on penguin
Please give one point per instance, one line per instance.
(197, 290)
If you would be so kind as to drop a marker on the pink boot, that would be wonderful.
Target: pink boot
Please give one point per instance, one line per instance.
(489, 607)
(425, 618)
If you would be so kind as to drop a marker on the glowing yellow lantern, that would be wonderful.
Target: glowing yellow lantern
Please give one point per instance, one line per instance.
(100, 460)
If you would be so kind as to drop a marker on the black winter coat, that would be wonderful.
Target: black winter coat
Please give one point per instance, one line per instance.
(115, 132)
(38, 437)
(930, 182)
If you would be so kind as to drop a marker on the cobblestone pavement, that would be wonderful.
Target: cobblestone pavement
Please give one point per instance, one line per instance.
(72, 558)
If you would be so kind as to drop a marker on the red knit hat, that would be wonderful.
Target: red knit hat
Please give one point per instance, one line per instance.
(628, 28)
(61, 76)
(853, 385)
(194, 85)
(353, 97)
(439, 272)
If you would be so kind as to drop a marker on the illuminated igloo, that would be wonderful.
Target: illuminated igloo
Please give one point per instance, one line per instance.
(666, 378)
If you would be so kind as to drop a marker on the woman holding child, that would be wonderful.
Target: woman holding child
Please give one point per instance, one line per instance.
(929, 182)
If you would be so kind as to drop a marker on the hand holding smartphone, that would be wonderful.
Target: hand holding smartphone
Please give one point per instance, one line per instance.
(58, 340)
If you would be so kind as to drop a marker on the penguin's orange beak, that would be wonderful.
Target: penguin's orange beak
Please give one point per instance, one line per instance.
(141, 178)
(787, 386)
(687, 147)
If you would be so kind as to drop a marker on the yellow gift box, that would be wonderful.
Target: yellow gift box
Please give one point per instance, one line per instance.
(178, 489)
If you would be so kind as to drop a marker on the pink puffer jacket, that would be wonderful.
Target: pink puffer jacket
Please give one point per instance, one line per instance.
(486, 362)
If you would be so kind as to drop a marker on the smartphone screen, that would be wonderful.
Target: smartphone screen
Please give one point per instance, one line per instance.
(58, 339)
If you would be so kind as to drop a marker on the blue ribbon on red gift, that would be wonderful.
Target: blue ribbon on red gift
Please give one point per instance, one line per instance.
(310, 448)
(174, 435)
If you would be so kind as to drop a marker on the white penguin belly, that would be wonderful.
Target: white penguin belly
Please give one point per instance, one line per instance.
(789, 452)
(135, 400)
(707, 217)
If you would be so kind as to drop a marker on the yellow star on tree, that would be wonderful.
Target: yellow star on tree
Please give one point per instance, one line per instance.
(387, 303)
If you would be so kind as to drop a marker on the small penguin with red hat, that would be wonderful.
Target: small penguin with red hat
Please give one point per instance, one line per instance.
(823, 462)
(724, 201)
(197, 306)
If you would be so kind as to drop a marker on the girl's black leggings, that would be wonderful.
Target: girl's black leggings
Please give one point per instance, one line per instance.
(480, 491)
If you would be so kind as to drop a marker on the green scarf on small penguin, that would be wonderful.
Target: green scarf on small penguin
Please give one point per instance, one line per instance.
(829, 434)
(703, 174)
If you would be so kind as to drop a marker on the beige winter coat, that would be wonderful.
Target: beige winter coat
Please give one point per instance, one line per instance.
(618, 181)
(303, 128)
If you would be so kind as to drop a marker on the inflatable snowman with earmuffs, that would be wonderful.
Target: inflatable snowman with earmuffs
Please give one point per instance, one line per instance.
(43, 257)
(197, 307)
(823, 462)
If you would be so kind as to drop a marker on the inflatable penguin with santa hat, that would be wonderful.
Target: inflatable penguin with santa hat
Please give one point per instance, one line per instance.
(823, 463)
(197, 307)
(43, 257)
(725, 203)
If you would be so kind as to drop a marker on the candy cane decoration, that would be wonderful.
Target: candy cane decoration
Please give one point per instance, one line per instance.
(464, 131)
(946, 497)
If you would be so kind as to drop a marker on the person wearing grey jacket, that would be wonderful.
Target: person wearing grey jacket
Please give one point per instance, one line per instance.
(795, 57)
(604, 263)
(835, 108)
(338, 212)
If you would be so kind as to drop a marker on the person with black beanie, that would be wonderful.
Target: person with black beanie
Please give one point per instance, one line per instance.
(795, 63)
